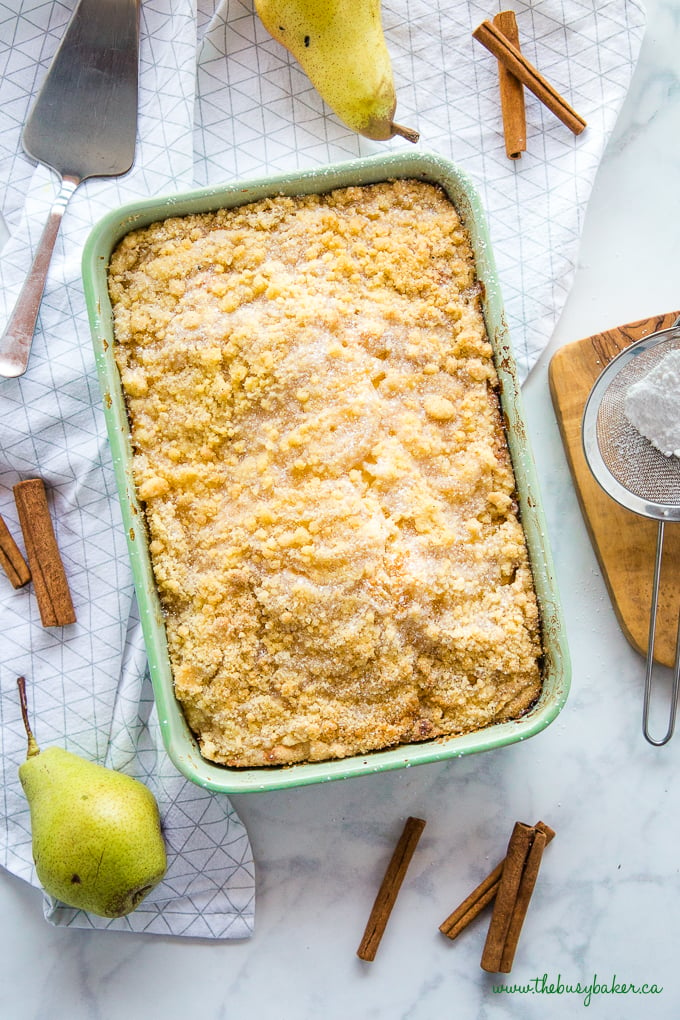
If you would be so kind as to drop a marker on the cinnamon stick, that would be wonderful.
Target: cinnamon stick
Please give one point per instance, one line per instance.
(11, 560)
(389, 888)
(490, 36)
(473, 905)
(482, 895)
(511, 91)
(515, 860)
(44, 560)
(526, 888)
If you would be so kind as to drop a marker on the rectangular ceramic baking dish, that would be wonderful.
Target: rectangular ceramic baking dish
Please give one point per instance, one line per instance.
(180, 744)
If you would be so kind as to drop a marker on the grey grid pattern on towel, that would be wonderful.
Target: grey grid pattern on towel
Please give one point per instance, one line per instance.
(221, 100)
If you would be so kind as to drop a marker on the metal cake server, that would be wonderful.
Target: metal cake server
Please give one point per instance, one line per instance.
(83, 124)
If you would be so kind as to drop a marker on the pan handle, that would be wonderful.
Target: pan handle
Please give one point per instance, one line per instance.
(15, 343)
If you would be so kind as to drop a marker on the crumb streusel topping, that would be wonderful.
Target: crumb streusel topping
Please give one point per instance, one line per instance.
(329, 497)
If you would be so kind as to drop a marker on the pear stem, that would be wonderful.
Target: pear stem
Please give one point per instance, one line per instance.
(408, 133)
(33, 748)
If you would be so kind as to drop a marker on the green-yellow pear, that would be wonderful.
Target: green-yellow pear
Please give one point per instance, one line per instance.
(341, 46)
(97, 841)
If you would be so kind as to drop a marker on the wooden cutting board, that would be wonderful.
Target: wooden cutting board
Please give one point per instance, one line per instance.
(624, 542)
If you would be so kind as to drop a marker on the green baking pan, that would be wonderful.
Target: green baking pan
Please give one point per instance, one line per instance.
(180, 743)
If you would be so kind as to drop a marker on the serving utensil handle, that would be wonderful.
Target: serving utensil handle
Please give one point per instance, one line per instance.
(15, 343)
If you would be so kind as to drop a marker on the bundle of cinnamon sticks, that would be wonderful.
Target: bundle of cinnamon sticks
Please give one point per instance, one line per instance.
(43, 564)
(515, 73)
(510, 886)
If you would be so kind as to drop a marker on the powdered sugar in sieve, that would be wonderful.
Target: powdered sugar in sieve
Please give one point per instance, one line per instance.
(633, 471)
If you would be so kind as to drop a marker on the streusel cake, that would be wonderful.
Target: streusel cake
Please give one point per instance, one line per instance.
(319, 451)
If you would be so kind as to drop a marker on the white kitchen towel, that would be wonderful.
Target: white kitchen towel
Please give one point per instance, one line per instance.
(222, 100)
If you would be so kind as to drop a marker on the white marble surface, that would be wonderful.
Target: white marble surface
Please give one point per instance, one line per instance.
(606, 900)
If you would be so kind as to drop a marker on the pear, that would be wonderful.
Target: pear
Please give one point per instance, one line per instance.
(96, 834)
(341, 46)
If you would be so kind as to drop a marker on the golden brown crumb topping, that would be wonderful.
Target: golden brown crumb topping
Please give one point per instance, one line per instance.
(327, 487)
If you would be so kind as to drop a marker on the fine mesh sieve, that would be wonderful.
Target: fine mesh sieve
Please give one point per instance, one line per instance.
(634, 473)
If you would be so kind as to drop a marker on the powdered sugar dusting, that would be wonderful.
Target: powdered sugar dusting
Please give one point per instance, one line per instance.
(652, 405)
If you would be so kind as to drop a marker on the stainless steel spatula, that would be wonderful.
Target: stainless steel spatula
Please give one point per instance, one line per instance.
(83, 124)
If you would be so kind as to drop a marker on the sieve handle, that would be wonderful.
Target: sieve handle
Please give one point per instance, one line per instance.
(650, 654)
